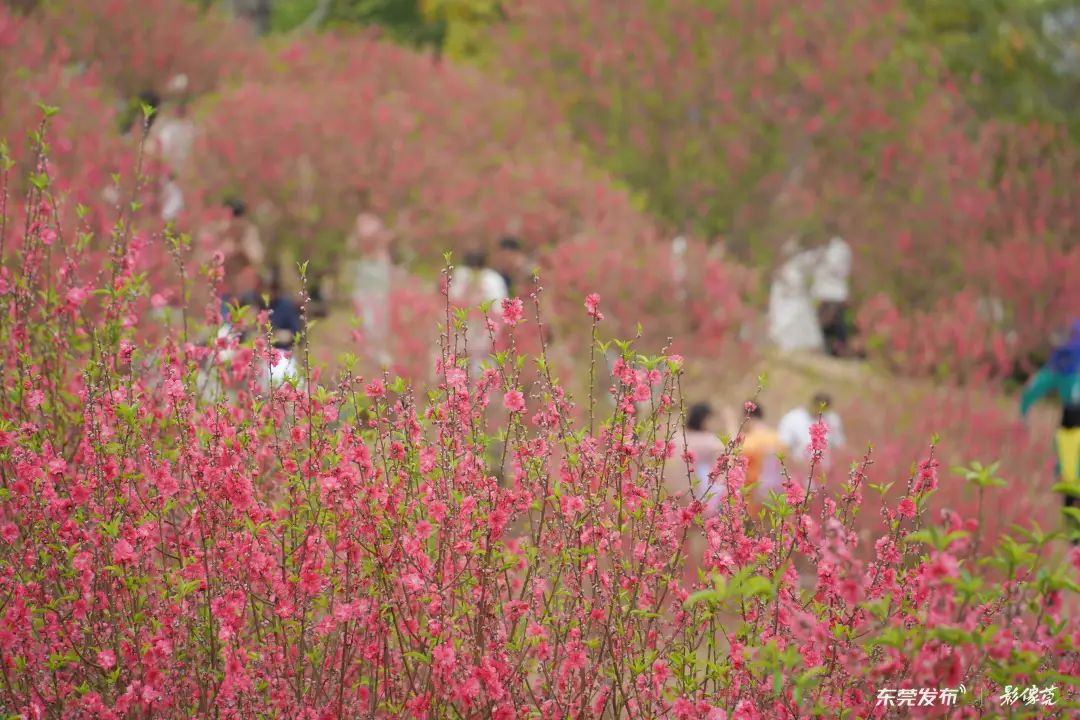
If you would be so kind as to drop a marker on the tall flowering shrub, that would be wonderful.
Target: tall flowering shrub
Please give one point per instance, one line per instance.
(85, 152)
(443, 146)
(141, 45)
(349, 549)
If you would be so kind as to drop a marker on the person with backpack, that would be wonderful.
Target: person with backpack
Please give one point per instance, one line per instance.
(1061, 377)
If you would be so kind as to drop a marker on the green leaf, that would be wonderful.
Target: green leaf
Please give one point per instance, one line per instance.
(112, 529)
(756, 586)
(924, 536)
(704, 596)
(1070, 489)
(187, 587)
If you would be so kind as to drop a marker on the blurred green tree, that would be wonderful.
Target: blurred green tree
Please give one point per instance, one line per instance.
(455, 28)
(1018, 59)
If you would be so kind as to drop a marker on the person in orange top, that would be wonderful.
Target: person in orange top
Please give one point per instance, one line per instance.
(761, 447)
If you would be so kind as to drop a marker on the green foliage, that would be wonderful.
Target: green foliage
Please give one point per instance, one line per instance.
(454, 27)
(465, 23)
(1011, 57)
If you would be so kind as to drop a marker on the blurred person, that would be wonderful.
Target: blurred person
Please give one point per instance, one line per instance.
(171, 198)
(474, 284)
(679, 268)
(761, 447)
(706, 447)
(286, 324)
(238, 234)
(237, 239)
(794, 428)
(372, 281)
(285, 318)
(285, 313)
(514, 265)
(240, 283)
(1061, 377)
(173, 133)
(793, 322)
(831, 291)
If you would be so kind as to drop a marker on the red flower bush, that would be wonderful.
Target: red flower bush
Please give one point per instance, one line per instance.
(85, 151)
(141, 45)
(351, 549)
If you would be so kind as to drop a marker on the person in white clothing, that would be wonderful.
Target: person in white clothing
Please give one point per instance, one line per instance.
(171, 140)
(831, 291)
(833, 272)
(472, 285)
(174, 138)
(372, 282)
(793, 322)
(172, 199)
(679, 267)
(794, 428)
(475, 283)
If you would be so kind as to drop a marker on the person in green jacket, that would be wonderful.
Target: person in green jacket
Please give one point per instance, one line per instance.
(1061, 376)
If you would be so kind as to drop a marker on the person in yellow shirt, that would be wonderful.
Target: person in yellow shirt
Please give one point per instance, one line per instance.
(761, 447)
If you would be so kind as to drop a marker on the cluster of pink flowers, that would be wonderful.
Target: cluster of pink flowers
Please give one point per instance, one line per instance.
(351, 548)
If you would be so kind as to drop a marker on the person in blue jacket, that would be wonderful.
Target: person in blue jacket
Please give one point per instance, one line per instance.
(1061, 377)
(286, 316)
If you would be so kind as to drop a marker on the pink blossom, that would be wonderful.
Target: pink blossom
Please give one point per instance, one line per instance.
(123, 552)
(444, 656)
(927, 477)
(76, 296)
(512, 311)
(572, 505)
(592, 306)
(942, 565)
(514, 401)
(106, 659)
(310, 581)
(818, 437)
